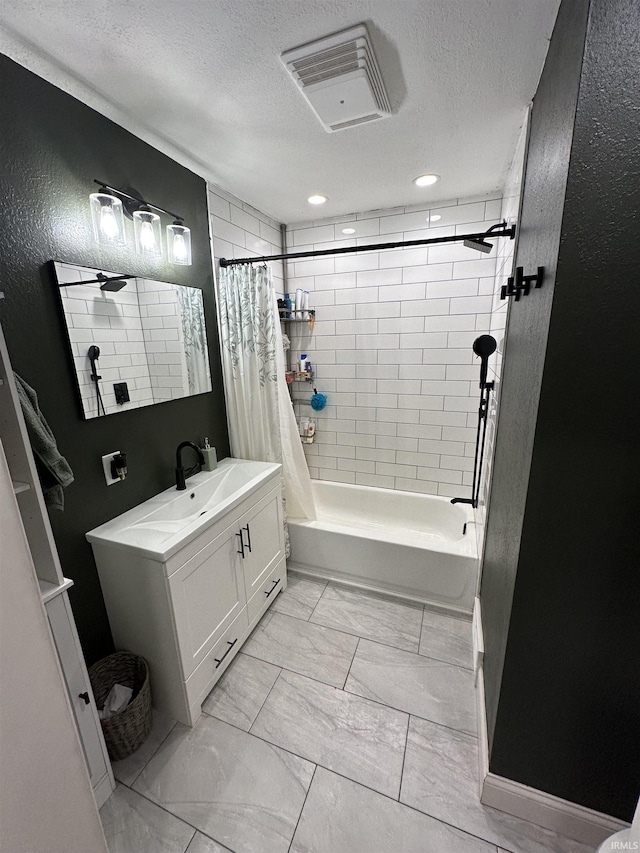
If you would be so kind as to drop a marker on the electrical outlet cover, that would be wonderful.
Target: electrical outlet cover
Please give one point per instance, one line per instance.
(106, 464)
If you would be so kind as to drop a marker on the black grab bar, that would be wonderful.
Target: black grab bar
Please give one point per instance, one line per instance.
(484, 346)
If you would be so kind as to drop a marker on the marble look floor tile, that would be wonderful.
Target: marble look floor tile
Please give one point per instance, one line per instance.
(300, 597)
(440, 778)
(241, 691)
(131, 823)
(355, 737)
(446, 638)
(340, 816)
(368, 616)
(202, 844)
(302, 647)
(419, 685)
(233, 787)
(128, 769)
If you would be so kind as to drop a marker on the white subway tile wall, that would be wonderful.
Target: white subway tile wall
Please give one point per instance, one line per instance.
(391, 346)
(240, 231)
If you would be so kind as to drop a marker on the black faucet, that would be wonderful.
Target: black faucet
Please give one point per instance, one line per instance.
(181, 476)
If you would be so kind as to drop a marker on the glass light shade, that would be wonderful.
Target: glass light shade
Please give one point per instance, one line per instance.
(107, 219)
(148, 233)
(179, 244)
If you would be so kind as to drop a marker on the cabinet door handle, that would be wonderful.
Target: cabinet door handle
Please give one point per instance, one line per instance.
(241, 551)
(231, 645)
(85, 697)
(248, 538)
(275, 584)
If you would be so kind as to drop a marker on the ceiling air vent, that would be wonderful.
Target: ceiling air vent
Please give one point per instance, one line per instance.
(340, 78)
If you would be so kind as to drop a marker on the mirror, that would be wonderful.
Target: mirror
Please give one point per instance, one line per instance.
(134, 341)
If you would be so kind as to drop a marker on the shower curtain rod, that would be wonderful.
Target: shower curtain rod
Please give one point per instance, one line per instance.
(506, 231)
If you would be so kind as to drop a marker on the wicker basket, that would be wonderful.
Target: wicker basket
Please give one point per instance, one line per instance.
(128, 729)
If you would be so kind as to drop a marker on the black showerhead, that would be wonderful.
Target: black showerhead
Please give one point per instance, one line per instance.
(112, 284)
(484, 346)
(479, 245)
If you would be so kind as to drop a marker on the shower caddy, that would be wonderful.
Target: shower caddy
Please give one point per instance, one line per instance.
(288, 314)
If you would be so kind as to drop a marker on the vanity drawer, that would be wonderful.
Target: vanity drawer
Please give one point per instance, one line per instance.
(268, 590)
(217, 660)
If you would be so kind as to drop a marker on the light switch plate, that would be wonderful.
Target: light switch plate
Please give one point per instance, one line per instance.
(106, 464)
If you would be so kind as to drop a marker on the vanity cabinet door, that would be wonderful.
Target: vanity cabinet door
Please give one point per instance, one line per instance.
(262, 540)
(206, 594)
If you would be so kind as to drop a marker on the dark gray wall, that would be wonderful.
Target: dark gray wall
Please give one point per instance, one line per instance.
(565, 710)
(53, 147)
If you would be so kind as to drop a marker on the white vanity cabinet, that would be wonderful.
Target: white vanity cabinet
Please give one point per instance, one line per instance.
(188, 609)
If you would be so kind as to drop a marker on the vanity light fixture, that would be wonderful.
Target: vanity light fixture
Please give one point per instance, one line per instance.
(107, 218)
(109, 206)
(426, 180)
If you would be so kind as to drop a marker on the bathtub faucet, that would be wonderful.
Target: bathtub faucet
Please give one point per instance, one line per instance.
(181, 474)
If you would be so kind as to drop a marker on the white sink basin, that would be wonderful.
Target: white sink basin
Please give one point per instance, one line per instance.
(163, 524)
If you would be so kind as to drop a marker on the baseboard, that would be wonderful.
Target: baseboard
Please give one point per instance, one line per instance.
(314, 573)
(481, 707)
(578, 822)
(514, 798)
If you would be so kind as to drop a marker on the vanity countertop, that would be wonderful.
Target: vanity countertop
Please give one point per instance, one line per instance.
(163, 524)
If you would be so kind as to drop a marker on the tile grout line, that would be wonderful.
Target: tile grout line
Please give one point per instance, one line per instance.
(329, 770)
(353, 693)
(355, 652)
(302, 809)
(320, 597)
(186, 849)
(264, 703)
(175, 817)
(144, 766)
(404, 756)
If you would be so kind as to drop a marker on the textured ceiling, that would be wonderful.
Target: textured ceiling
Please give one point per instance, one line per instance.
(202, 80)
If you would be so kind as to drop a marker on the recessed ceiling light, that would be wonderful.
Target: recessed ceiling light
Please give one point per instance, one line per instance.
(435, 217)
(317, 199)
(348, 230)
(426, 180)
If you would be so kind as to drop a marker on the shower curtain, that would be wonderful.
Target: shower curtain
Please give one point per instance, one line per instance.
(262, 425)
(195, 339)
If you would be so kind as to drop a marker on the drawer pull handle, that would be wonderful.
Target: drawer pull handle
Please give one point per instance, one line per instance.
(241, 551)
(275, 584)
(248, 538)
(85, 697)
(231, 645)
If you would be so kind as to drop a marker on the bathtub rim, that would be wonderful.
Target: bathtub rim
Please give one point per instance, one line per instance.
(440, 545)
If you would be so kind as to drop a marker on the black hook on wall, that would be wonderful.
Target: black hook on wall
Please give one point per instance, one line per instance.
(520, 284)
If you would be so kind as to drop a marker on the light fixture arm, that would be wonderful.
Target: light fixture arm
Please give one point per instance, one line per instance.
(138, 201)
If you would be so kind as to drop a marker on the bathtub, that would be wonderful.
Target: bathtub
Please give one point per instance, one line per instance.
(410, 545)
